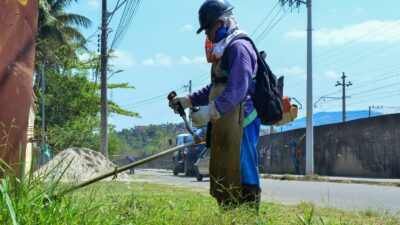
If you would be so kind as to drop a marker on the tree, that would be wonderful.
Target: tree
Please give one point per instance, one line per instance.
(150, 140)
(72, 101)
(72, 105)
(58, 29)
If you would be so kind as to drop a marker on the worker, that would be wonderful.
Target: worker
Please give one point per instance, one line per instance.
(131, 160)
(225, 105)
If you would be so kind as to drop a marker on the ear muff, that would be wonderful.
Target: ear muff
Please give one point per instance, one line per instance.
(221, 34)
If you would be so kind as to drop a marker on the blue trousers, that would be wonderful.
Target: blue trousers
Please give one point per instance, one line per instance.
(248, 154)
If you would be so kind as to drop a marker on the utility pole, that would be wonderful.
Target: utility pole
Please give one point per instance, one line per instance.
(369, 111)
(190, 110)
(104, 59)
(43, 144)
(309, 113)
(344, 85)
(189, 88)
(373, 107)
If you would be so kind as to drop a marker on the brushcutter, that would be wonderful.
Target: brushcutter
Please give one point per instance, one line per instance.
(197, 139)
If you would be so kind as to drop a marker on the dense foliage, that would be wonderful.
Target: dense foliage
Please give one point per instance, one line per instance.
(150, 139)
(72, 92)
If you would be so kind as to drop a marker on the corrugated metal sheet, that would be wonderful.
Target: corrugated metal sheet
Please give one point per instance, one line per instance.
(18, 23)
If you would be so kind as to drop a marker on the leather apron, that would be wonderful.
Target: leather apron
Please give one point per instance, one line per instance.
(226, 138)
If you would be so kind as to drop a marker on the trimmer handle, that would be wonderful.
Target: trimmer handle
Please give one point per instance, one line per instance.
(171, 96)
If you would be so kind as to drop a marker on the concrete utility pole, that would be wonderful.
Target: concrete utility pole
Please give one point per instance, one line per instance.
(104, 58)
(369, 111)
(344, 85)
(309, 113)
(189, 88)
(190, 92)
(373, 107)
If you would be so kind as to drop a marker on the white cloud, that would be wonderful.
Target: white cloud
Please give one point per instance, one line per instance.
(158, 60)
(187, 27)
(290, 71)
(365, 32)
(123, 60)
(94, 3)
(194, 60)
(331, 74)
(149, 62)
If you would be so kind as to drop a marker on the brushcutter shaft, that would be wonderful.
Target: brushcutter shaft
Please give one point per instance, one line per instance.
(127, 167)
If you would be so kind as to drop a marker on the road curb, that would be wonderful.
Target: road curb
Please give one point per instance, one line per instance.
(344, 180)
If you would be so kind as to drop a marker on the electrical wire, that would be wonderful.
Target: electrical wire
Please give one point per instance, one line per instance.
(273, 25)
(366, 81)
(128, 14)
(326, 57)
(265, 18)
(113, 12)
(377, 32)
(271, 22)
(199, 81)
(148, 101)
(366, 91)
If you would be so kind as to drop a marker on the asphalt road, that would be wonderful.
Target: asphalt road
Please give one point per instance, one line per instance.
(357, 197)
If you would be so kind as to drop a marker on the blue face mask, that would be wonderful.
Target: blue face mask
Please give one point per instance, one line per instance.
(220, 34)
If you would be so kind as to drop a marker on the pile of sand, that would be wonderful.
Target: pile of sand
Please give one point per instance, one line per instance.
(84, 164)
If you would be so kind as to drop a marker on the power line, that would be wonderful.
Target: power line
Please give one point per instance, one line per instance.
(379, 98)
(147, 102)
(271, 24)
(125, 21)
(158, 97)
(351, 59)
(375, 94)
(329, 56)
(374, 89)
(377, 32)
(265, 18)
(113, 12)
(365, 83)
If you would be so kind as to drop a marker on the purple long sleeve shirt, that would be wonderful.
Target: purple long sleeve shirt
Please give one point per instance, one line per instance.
(241, 66)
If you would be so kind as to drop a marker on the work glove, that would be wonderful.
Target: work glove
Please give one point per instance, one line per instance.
(184, 101)
(205, 114)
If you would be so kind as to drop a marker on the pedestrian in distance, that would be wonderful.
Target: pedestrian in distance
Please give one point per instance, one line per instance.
(226, 107)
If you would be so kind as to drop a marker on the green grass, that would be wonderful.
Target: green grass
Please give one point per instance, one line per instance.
(144, 203)
(28, 202)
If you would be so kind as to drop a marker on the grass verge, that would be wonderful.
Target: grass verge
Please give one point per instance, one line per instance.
(27, 201)
(145, 203)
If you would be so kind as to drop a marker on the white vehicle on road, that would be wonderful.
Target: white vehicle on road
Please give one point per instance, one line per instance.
(202, 165)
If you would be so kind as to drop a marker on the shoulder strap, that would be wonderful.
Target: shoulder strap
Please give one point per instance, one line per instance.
(260, 62)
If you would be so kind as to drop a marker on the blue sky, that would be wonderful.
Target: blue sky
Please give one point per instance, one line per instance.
(161, 52)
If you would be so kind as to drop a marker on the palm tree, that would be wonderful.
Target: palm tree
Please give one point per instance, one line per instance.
(58, 34)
